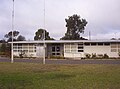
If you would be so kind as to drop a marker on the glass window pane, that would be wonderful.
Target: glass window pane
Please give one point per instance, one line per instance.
(80, 50)
(92, 44)
(87, 44)
(106, 44)
(58, 49)
(53, 49)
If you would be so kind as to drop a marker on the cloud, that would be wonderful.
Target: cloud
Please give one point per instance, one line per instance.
(102, 16)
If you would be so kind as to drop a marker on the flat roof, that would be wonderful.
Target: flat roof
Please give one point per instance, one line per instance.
(64, 41)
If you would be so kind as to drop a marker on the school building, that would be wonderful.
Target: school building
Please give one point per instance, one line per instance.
(66, 48)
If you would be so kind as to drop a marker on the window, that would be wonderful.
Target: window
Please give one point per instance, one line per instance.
(67, 51)
(93, 44)
(14, 44)
(53, 54)
(73, 50)
(14, 47)
(58, 53)
(80, 47)
(73, 46)
(106, 44)
(87, 44)
(80, 51)
(53, 49)
(19, 44)
(67, 48)
(15, 50)
(19, 50)
(118, 50)
(80, 44)
(113, 50)
(30, 47)
(118, 46)
(113, 46)
(30, 50)
(20, 47)
(67, 45)
(58, 49)
(100, 44)
(25, 47)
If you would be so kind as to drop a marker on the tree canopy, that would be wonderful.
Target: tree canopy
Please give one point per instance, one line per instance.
(21, 38)
(2, 41)
(75, 25)
(16, 36)
(39, 35)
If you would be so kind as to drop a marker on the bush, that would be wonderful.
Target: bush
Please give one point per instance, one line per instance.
(94, 55)
(105, 56)
(88, 56)
(22, 53)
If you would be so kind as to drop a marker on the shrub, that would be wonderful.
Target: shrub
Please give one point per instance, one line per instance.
(94, 55)
(87, 55)
(22, 53)
(105, 56)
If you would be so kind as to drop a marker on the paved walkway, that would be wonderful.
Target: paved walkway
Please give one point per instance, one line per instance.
(63, 61)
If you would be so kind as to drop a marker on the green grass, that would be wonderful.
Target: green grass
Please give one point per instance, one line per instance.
(37, 76)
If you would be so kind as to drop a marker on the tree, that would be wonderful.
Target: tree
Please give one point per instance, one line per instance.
(75, 25)
(16, 36)
(39, 35)
(113, 39)
(9, 35)
(3, 47)
(21, 38)
(2, 41)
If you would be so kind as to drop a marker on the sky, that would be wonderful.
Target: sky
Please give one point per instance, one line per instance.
(103, 17)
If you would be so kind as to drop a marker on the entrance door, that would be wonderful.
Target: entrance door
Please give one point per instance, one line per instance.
(56, 50)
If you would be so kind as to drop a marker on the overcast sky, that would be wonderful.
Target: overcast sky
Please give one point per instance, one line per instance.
(103, 17)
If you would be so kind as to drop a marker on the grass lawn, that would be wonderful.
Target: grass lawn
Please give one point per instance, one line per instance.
(38, 76)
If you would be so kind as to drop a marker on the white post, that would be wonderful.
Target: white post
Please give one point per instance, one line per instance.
(44, 54)
(44, 35)
(12, 60)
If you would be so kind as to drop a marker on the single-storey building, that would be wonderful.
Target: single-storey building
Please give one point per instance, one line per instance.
(66, 48)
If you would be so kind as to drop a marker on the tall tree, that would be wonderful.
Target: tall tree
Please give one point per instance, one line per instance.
(16, 36)
(39, 35)
(75, 26)
(21, 38)
(9, 35)
(2, 41)
(3, 47)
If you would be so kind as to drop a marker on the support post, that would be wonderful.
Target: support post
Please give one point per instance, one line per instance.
(12, 59)
(44, 35)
